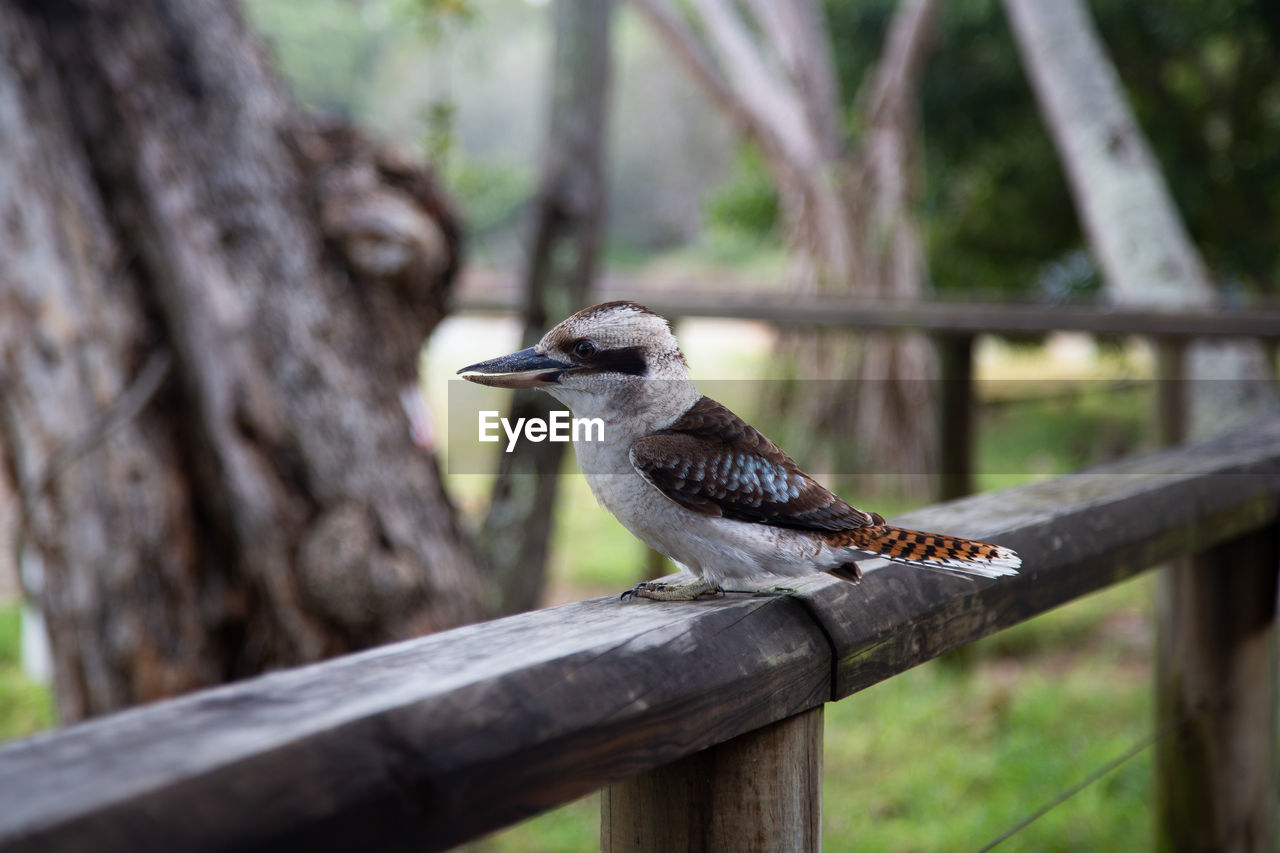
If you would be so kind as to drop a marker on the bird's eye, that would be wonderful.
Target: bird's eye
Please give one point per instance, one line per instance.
(584, 349)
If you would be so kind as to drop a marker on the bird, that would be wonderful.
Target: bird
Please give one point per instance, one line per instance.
(693, 480)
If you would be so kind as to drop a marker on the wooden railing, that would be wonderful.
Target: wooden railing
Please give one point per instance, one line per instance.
(953, 327)
(935, 316)
(703, 721)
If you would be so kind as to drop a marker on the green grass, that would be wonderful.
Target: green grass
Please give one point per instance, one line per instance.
(575, 827)
(601, 556)
(1066, 427)
(25, 707)
(946, 757)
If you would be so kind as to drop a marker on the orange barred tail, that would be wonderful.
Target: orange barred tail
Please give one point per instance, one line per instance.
(933, 550)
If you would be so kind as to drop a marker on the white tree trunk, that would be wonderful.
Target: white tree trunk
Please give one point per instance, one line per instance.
(1126, 210)
(1128, 214)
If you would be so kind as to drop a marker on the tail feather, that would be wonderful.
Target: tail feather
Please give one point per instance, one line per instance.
(932, 550)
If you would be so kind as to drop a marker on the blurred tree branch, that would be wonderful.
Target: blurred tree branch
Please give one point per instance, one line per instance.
(566, 233)
(848, 213)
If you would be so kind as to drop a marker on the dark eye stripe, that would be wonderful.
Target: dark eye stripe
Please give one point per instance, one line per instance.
(626, 360)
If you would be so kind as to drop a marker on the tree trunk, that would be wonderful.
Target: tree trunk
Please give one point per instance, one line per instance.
(568, 223)
(1135, 231)
(895, 374)
(847, 216)
(209, 306)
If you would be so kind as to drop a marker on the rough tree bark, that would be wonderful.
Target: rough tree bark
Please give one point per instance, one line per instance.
(847, 214)
(568, 221)
(208, 305)
(1136, 233)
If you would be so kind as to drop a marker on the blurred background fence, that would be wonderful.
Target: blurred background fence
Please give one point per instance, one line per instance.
(953, 328)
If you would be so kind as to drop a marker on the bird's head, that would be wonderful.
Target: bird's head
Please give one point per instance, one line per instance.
(604, 357)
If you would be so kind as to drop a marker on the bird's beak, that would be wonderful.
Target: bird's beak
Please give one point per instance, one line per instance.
(524, 369)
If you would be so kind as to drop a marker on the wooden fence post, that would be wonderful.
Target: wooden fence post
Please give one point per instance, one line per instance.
(1171, 390)
(759, 791)
(955, 409)
(1216, 766)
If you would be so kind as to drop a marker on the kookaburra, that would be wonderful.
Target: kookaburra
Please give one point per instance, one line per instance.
(693, 480)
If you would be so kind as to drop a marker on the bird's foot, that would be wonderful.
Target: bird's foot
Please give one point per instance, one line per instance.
(659, 591)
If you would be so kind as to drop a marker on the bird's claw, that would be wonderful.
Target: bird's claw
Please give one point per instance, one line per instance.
(661, 591)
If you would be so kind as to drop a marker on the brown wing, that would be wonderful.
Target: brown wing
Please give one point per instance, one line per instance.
(715, 463)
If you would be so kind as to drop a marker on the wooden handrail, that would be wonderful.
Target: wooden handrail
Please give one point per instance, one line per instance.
(946, 317)
(430, 742)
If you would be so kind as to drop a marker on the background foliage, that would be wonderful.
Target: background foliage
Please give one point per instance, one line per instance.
(1203, 77)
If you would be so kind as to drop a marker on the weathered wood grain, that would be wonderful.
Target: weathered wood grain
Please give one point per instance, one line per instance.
(1076, 534)
(760, 791)
(422, 744)
(956, 410)
(1216, 699)
(428, 743)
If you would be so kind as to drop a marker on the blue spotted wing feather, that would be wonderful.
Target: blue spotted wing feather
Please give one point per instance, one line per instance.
(715, 463)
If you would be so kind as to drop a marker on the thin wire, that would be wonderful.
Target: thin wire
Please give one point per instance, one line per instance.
(1097, 774)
